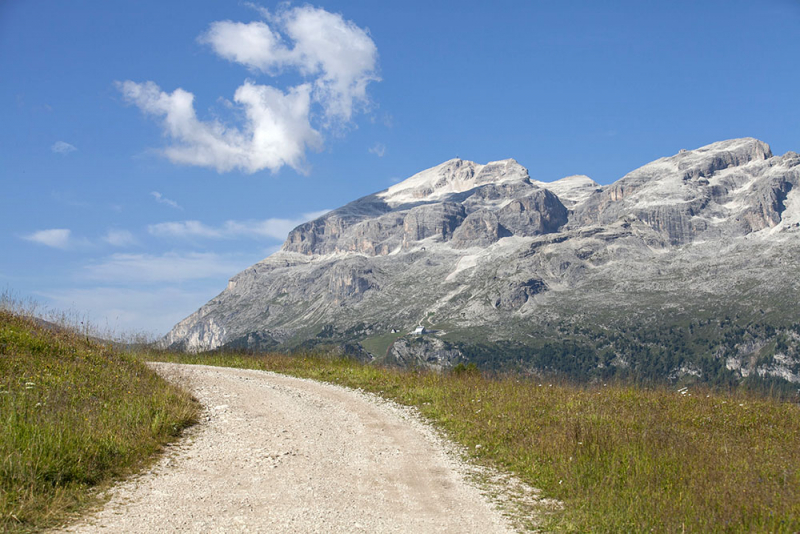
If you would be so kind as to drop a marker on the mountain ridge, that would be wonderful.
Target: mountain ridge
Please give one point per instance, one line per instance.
(483, 254)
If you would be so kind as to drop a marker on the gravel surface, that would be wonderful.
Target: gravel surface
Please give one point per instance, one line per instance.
(281, 454)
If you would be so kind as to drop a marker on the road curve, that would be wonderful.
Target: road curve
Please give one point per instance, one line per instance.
(281, 454)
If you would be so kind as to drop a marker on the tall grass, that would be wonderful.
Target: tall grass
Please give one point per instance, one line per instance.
(621, 458)
(74, 414)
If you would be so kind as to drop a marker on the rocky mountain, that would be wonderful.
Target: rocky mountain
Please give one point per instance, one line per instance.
(686, 268)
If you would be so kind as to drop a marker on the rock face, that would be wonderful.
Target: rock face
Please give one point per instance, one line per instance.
(537, 213)
(483, 256)
(480, 228)
(715, 189)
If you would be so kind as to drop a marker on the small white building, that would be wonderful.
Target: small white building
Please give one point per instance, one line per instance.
(419, 330)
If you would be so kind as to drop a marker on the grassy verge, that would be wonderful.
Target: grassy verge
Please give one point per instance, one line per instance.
(622, 459)
(74, 414)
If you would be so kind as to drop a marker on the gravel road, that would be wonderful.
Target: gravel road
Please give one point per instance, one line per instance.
(281, 454)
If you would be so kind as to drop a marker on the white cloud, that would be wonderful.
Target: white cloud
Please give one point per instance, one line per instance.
(271, 228)
(276, 132)
(339, 56)
(161, 199)
(263, 11)
(274, 228)
(337, 59)
(341, 53)
(60, 238)
(254, 45)
(379, 150)
(119, 238)
(171, 267)
(63, 148)
(184, 229)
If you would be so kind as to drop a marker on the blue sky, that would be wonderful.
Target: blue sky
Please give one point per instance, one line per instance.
(150, 150)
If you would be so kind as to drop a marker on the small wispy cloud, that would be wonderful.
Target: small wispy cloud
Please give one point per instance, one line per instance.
(161, 199)
(119, 238)
(182, 229)
(60, 238)
(123, 311)
(170, 267)
(64, 239)
(63, 148)
(379, 149)
(274, 228)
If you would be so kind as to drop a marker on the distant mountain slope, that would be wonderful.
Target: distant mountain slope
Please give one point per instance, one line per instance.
(685, 267)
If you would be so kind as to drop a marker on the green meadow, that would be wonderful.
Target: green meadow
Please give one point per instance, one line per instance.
(620, 458)
(75, 415)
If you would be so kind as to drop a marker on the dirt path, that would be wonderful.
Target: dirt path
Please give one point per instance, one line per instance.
(280, 454)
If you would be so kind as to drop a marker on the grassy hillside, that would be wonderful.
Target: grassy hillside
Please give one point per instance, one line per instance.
(621, 458)
(74, 414)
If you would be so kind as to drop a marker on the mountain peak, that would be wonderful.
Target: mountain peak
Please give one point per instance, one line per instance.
(748, 148)
(706, 160)
(716, 156)
(572, 190)
(722, 189)
(453, 176)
